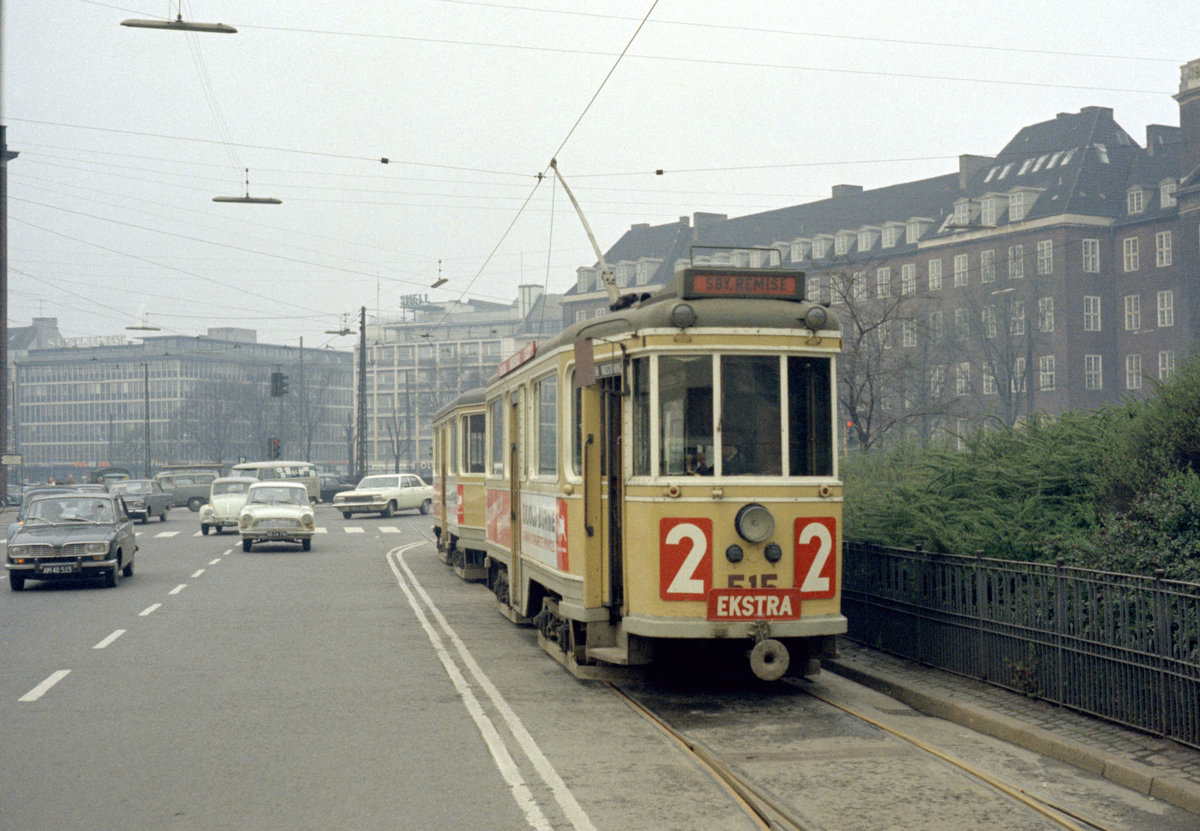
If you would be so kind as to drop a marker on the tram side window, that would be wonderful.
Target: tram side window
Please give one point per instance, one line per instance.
(473, 429)
(751, 418)
(452, 449)
(548, 426)
(811, 415)
(685, 417)
(498, 437)
(639, 383)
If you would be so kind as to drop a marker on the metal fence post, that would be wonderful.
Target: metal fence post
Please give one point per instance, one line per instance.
(1060, 621)
(980, 607)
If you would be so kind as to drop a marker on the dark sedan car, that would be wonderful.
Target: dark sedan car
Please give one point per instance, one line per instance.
(144, 498)
(71, 536)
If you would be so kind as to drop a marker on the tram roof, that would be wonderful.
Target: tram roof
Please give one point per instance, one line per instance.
(473, 396)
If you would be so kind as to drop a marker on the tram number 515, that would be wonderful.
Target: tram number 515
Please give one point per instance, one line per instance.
(685, 547)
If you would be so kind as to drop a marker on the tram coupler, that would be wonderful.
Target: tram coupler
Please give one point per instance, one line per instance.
(769, 658)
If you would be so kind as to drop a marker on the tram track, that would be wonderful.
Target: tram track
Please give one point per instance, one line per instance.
(767, 810)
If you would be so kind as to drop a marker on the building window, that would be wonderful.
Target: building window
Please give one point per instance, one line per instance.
(1166, 308)
(1016, 262)
(1133, 372)
(1017, 382)
(912, 231)
(961, 266)
(987, 210)
(1045, 256)
(1166, 365)
(1046, 314)
(962, 213)
(861, 290)
(885, 334)
(908, 334)
(812, 289)
(890, 233)
(1016, 207)
(988, 318)
(1135, 201)
(1162, 249)
(962, 379)
(1130, 246)
(1017, 321)
(937, 326)
(1166, 194)
(908, 279)
(989, 382)
(1091, 256)
(962, 324)
(935, 275)
(1091, 314)
(841, 244)
(883, 282)
(1046, 372)
(820, 248)
(1133, 312)
(987, 266)
(1093, 372)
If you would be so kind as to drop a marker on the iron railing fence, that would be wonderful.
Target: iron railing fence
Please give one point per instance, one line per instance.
(1118, 646)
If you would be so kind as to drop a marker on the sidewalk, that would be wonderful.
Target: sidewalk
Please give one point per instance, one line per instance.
(1159, 767)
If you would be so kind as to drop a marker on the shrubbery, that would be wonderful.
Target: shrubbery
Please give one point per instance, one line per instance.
(1117, 489)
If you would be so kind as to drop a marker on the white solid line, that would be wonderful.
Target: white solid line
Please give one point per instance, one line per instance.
(562, 794)
(44, 687)
(149, 609)
(109, 639)
(198, 573)
(178, 588)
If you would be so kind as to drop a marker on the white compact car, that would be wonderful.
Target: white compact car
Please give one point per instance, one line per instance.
(277, 511)
(384, 494)
(225, 500)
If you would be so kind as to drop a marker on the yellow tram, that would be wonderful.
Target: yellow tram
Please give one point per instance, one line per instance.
(459, 447)
(664, 479)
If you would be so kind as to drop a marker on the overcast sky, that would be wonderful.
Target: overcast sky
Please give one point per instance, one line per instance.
(125, 135)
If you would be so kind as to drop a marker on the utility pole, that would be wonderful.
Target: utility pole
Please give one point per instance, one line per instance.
(360, 440)
(5, 158)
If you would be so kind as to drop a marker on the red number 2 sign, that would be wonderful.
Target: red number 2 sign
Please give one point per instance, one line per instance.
(685, 567)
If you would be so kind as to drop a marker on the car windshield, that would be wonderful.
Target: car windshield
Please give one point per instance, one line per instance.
(222, 488)
(129, 487)
(378, 482)
(71, 509)
(278, 496)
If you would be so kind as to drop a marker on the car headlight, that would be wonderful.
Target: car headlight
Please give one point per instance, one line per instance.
(307, 520)
(754, 523)
(94, 548)
(18, 551)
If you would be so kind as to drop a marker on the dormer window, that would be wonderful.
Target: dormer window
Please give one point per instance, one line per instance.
(623, 273)
(585, 279)
(1135, 200)
(1166, 194)
(645, 270)
(891, 233)
(990, 208)
(1016, 206)
(821, 244)
(914, 228)
(741, 259)
(964, 209)
(841, 243)
(866, 238)
(801, 250)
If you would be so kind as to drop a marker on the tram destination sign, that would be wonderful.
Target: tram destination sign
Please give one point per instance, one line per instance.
(757, 284)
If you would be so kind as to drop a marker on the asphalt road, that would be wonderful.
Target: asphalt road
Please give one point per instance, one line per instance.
(362, 685)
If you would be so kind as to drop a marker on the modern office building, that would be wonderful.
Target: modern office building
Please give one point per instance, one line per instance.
(174, 400)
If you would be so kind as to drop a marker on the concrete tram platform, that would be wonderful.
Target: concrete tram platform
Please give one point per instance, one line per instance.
(1159, 767)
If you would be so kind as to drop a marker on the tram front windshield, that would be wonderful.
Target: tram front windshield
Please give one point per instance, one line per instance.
(771, 416)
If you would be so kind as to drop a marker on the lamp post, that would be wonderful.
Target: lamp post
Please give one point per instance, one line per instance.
(146, 410)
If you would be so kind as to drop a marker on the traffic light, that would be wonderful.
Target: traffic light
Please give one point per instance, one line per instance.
(283, 384)
(272, 448)
(279, 384)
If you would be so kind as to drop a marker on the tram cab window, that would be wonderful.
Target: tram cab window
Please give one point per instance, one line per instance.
(473, 431)
(810, 409)
(497, 417)
(685, 415)
(639, 393)
(751, 419)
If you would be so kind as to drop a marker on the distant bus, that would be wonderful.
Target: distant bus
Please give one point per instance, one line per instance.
(305, 472)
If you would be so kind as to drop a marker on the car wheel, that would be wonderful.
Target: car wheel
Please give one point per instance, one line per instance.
(144, 519)
(387, 510)
(128, 570)
(112, 578)
(346, 514)
(163, 516)
(426, 505)
(203, 530)
(306, 545)
(16, 582)
(194, 504)
(246, 545)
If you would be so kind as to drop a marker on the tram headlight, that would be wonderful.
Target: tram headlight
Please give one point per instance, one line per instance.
(815, 318)
(754, 523)
(683, 315)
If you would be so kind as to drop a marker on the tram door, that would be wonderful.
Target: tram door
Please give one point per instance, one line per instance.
(612, 471)
(516, 474)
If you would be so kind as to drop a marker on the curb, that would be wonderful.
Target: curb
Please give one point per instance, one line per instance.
(1130, 774)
